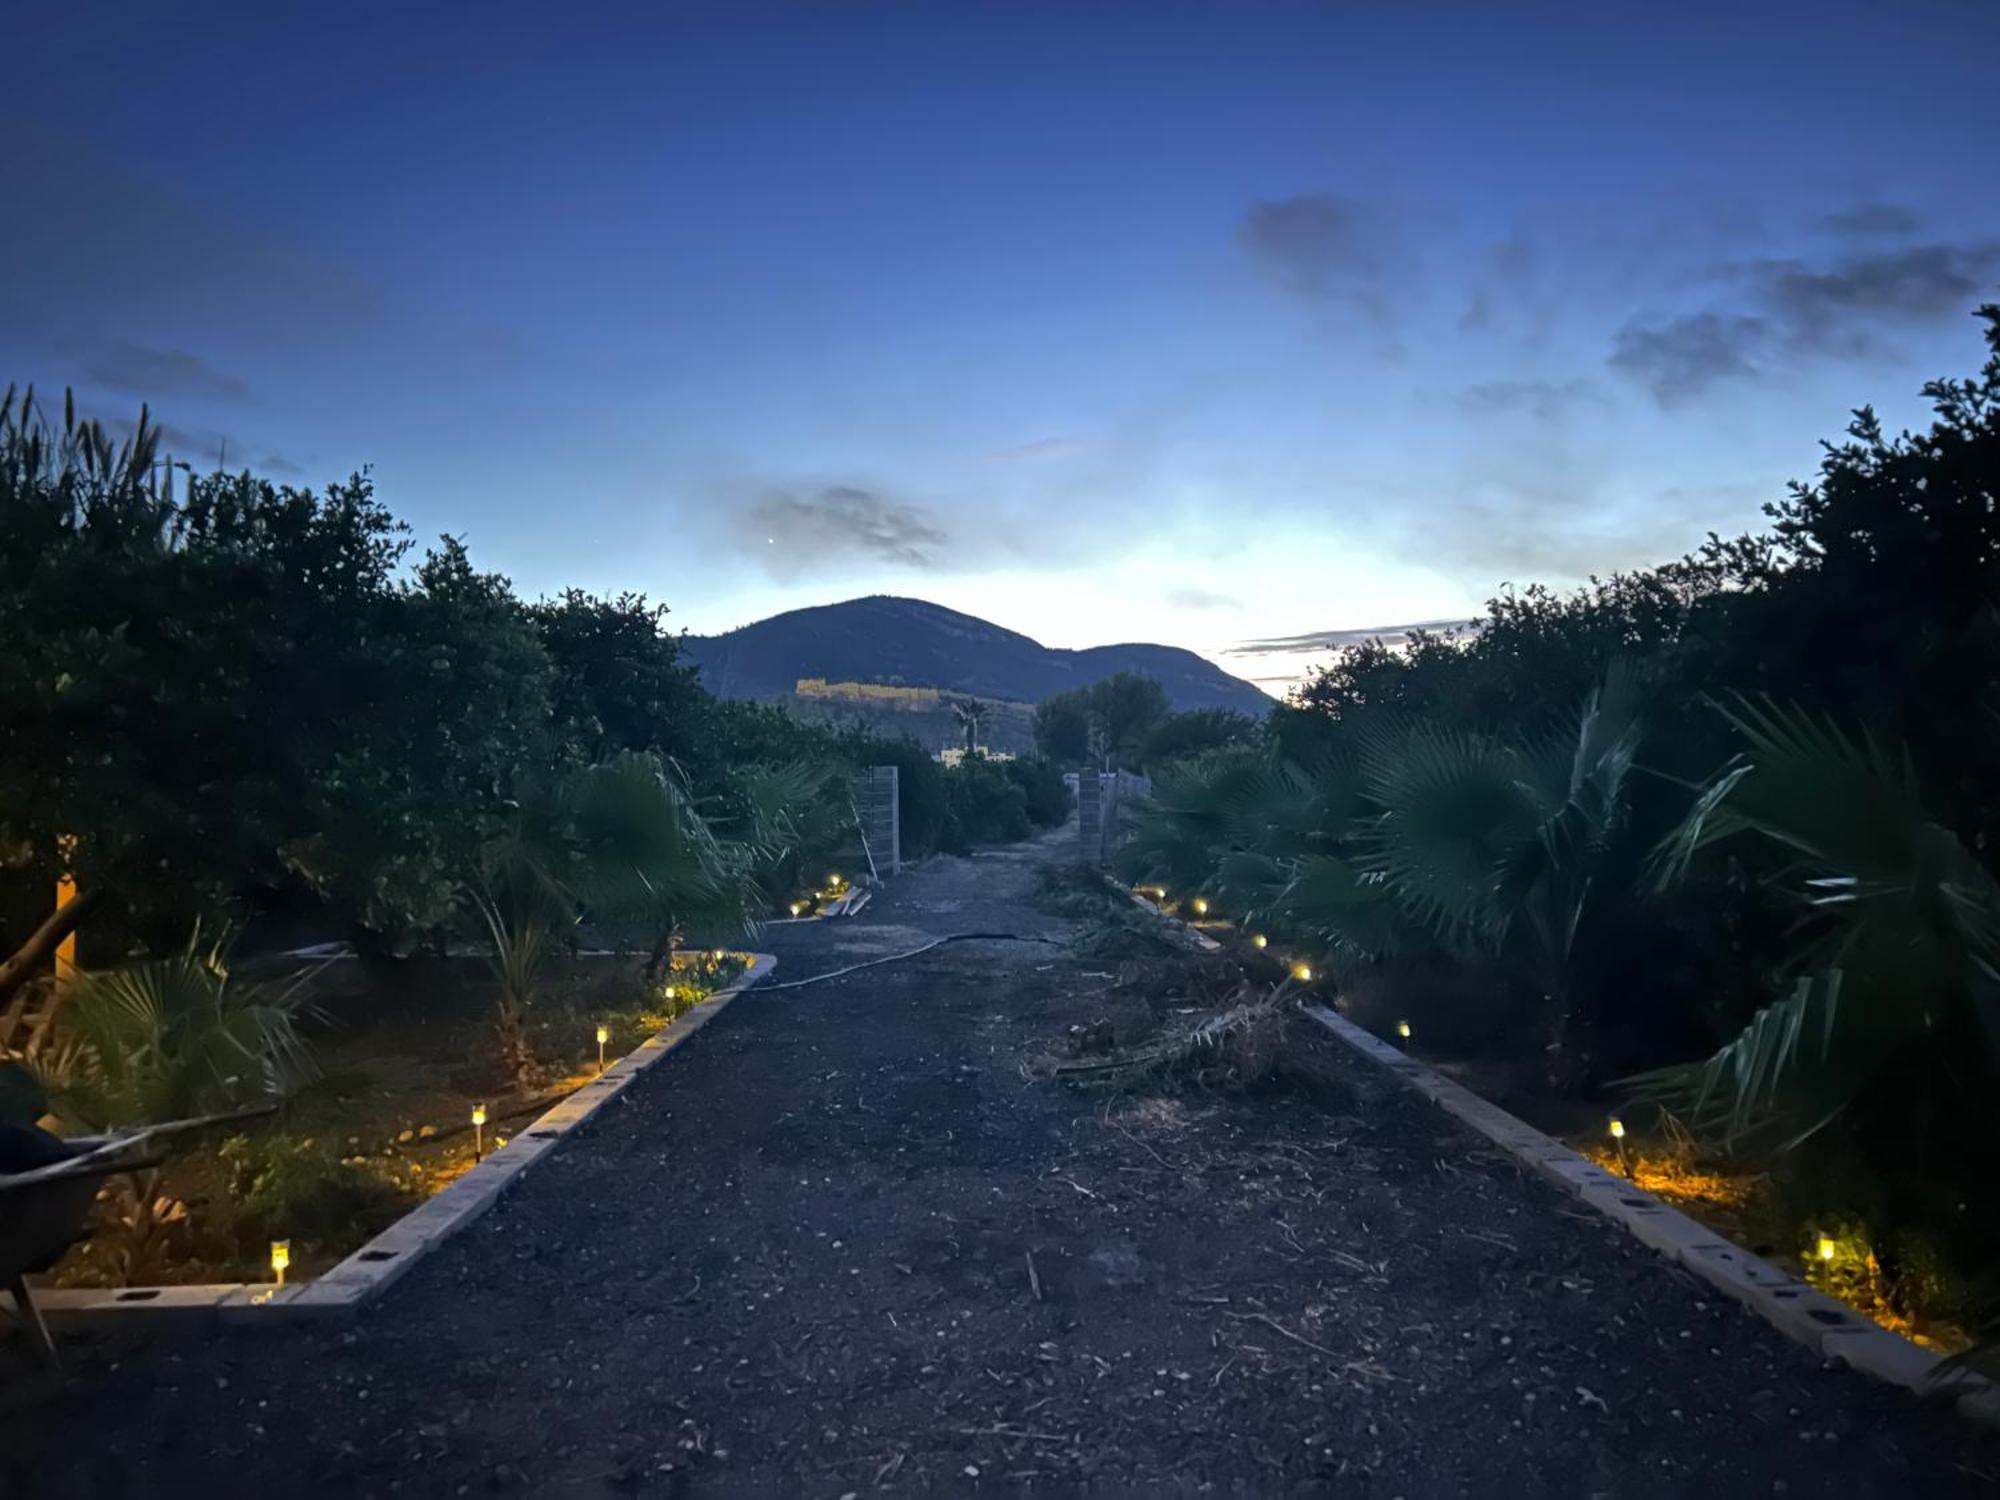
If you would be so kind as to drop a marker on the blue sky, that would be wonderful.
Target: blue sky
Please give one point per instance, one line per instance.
(1199, 324)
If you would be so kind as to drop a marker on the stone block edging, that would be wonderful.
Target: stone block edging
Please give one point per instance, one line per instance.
(1797, 1309)
(384, 1260)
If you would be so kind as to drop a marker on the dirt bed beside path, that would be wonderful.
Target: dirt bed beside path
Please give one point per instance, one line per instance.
(846, 1242)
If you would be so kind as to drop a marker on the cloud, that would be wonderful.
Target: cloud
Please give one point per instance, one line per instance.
(159, 373)
(1682, 357)
(1312, 642)
(1793, 311)
(1194, 598)
(1324, 248)
(1866, 220)
(1825, 309)
(102, 243)
(841, 523)
(1048, 447)
(1545, 400)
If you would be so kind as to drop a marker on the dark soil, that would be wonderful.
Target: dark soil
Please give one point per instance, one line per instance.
(853, 1238)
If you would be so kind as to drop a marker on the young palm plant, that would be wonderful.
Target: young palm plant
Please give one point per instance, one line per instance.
(1431, 835)
(1875, 1069)
(170, 1039)
(798, 815)
(648, 855)
(523, 894)
(1501, 846)
(1896, 970)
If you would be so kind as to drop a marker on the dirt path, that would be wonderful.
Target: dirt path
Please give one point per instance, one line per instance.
(843, 1242)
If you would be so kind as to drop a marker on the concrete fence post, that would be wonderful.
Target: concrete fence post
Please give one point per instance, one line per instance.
(1090, 816)
(881, 820)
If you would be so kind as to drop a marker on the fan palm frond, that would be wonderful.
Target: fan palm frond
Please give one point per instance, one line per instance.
(1900, 923)
(178, 1036)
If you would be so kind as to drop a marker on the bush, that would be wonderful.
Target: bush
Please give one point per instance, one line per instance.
(1041, 782)
(985, 805)
(282, 1186)
(923, 803)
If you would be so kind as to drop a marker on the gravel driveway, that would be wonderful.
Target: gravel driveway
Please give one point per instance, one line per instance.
(847, 1240)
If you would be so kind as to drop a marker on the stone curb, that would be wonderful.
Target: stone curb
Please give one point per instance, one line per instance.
(1800, 1311)
(384, 1260)
(1180, 930)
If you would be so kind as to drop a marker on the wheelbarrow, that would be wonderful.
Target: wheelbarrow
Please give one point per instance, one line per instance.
(45, 1206)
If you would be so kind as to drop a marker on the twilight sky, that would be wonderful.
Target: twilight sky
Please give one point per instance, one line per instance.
(1202, 324)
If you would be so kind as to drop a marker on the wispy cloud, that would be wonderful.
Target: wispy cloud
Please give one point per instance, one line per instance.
(1868, 220)
(1194, 598)
(838, 524)
(1326, 249)
(1048, 447)
(1793, 310)
(1837, 307)
(1545, 400)
(158, 374)
(1681, 358)
(1312, 642)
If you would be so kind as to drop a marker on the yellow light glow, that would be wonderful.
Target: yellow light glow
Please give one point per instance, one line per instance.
(1617, 1129)
(1260, 941)
(797, 907)
(670, 992)
(718, 955)
(1303, 973)
(1403, 1030)
(603, 1035)
(1826, 1247)
(833, 879)
(479, 1114)
(281, 1257)
(1200, 907)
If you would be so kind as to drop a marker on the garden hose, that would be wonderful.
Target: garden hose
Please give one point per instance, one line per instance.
(956, 937)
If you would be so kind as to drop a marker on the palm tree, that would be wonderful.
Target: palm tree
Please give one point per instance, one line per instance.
(1875, 1069)
(647, 854)
(622, 841)
(1896, 971)
(799, 814)
(970, 713)
(1476, 844)
(175, 1037)
(1502, 846)
(166, 1040)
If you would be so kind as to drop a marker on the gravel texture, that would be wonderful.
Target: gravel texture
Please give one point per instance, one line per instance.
(850, 1239)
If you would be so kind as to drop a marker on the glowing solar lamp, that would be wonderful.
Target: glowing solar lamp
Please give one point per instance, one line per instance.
(1200, 907)
(281, 1257)
(797, 907)
(603, 1036)
(1826, 1249)
(1403, 1031)
(1260, 941)
(1624, 1152)
(1302, 973)
(478, 1133)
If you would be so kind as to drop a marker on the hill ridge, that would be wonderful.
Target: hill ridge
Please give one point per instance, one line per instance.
(893, 640)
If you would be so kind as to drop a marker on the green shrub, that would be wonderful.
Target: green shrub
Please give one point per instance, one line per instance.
(1041, 781)
(282, 1186)
(986, 805)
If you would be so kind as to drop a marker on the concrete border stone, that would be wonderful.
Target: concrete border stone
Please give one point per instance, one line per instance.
(384, 1260)
(1800, 1311)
